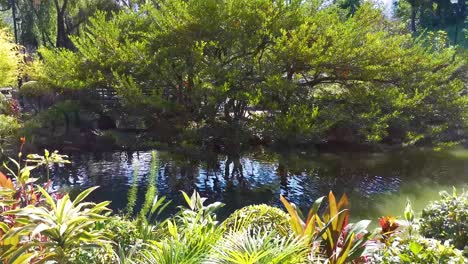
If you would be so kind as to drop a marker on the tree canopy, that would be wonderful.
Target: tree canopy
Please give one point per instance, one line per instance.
(292, 70)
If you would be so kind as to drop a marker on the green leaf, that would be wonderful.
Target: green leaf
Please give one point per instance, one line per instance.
(49, 199)
(83, 195)
(415, 247)
(39, 228)
(4, 227)
(187, 199)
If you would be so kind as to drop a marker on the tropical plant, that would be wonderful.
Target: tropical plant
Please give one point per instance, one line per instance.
(258, 217)
(388, 227)
(151, 192)
(197, 213)
(190, 234)
(183, 245)
(342, 242)
(403, 243)
(259, 245)
(22, 192)
(303, 227)
(54, 231)
(48, 159)
(447, 219)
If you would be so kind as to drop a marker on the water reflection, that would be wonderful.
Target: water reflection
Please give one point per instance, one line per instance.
(374, 181)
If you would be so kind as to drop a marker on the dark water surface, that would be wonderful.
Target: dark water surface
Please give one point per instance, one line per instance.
(377, 183)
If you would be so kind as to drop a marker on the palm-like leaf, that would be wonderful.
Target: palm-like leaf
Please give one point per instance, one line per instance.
(259, 246)
(341, 242)
(58, 229)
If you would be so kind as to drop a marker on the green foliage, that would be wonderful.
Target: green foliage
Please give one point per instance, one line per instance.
(56, 121)
(132, 193)
(434, 15)
(50, 23)
(40, 227)
(53, 232)
(148, 207)
(183, 245)
(253, 245)
(191, 234)
(308, 71)
(94, 255)
(35, 89)
(9, 60)
(341, 242)
(9, 126)
(403, 243)
(197, 212)
(256, 217)
(447, 219)
(417, 249)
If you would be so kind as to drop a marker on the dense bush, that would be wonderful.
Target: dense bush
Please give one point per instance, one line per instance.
(447, 219)
(259, 246)
(417, 250)
(258, 216)
(9, 127)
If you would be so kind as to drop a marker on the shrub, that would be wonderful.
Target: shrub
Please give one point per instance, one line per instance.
(123, 231)
(447, 219)
(259, 245)
(94, 255)
(418, 250)
(258, 216)
(184, 244)
(35, 89)
(8, 126)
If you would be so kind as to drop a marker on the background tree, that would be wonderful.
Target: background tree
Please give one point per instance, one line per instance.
(435, 15)
(287, 70)
(51, 22)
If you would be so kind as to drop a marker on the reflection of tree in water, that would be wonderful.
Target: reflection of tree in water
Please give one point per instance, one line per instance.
(181, 174)
(303, 179)
(239, 180)
(237, 169)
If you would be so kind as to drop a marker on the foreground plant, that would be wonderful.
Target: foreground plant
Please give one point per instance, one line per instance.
(191, 234)
(259, 246)
(341, 242)
(447, 219)
(404, 244)
(259, 216)
(54, 231)
(23, 191)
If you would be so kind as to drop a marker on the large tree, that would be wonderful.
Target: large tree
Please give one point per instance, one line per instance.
(308, 70)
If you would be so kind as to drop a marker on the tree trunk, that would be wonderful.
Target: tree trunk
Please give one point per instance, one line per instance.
(61, 34)
(413, 18)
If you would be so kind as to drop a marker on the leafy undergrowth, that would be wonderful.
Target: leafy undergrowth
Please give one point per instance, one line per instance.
(39, 226)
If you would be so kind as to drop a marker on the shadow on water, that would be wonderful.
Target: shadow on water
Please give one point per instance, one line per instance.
(377, 183)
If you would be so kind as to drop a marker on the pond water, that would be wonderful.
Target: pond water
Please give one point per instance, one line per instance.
(377, 183)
